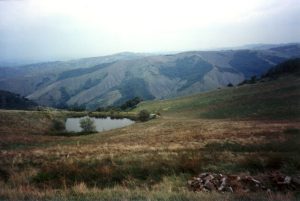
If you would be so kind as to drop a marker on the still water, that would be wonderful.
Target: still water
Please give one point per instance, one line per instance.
(102, 124)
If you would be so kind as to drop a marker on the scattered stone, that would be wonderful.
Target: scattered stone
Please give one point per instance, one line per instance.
(223, 183)
(287, 180)
(246, 183)
(296, 180)
(209, 186)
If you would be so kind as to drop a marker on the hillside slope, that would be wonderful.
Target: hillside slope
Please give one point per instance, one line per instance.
(269, 98)
(113, 81)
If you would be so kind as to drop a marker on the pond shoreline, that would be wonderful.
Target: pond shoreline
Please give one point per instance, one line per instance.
(114, 115)
(73, 124)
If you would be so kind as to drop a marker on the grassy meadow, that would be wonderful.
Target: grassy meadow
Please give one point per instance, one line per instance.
(251, 129)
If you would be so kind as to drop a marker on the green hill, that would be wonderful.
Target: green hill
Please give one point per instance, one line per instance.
(266, 99)
(291, 66)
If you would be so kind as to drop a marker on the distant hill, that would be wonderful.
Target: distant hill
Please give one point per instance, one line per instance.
(112, 80)
(262, 46)
(10, 100)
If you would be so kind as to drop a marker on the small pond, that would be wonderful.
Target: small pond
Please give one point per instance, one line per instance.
(102, 124)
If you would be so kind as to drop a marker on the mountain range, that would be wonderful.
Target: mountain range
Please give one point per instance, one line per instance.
(111, 80)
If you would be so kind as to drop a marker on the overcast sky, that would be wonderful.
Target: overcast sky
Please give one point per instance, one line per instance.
(65, 29)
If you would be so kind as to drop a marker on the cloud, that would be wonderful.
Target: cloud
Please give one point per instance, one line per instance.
(51, 29)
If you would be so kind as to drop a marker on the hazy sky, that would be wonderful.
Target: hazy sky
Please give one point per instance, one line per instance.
(64, 29)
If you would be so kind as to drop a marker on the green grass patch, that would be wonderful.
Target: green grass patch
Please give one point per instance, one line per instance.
(279, 99)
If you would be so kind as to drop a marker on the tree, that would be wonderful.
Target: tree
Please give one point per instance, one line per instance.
(252, 80)
(229, 85)
(87, 124)
(131, 103)
(76, 107)
(58, 125)
(144, 115)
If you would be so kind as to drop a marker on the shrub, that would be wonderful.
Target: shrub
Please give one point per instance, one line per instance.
(253, 80)
(144, 115)
(58, 125)
(87, 124)
(131, 103)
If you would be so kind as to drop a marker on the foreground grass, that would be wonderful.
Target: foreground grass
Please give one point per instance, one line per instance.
(151, 160)
(81, 192)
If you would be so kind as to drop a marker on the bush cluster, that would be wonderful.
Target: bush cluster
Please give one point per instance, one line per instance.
(87, 124)
(144, 115)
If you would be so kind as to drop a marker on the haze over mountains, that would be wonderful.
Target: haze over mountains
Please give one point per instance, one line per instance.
(111, 80)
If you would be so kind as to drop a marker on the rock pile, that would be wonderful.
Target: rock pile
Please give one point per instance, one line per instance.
(284, 182)
(244, 183)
